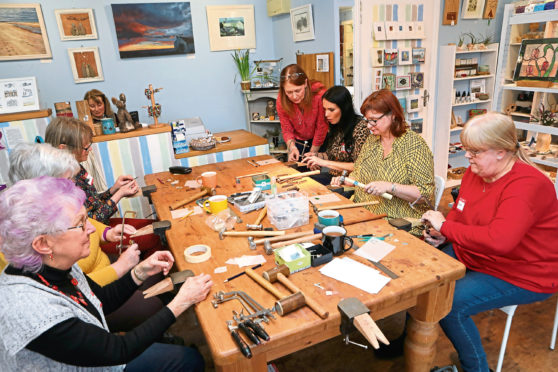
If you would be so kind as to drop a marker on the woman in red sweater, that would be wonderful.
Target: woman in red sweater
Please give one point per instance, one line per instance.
(503, 227)
(300, 110)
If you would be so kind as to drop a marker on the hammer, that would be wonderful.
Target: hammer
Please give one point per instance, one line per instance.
(280, 273)
(303, 239)
(205, 191)
(343, 206)
(257, 225)
(350, 181)
(222, 233)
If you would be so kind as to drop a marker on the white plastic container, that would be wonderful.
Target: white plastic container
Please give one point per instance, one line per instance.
(288, 210)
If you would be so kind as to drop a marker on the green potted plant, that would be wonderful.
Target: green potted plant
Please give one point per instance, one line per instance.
(242, 62)
(545, 117)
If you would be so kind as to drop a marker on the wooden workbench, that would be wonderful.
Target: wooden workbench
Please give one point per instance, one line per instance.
(424, 287)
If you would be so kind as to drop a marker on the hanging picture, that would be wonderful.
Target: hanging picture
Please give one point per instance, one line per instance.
(405, 57)
(403, 82)
(388, 81)
(86, 64)
(451, 9)
(390, 57)
(391, 30)
(18, 94)
(413, 103)
(417, 80)
(490, 9)
(533, 61)
(418, 55)
(379, 31)
(153, 29)
(302, 23)
(416, 125)
(322, 63)
(231, 27)
(23, 34)
(403, 103)
(377, 57)
(472, 9)
(377, 79)
(76, 24)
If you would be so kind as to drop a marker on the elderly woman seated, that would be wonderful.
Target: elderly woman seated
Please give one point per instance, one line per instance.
(52, 316)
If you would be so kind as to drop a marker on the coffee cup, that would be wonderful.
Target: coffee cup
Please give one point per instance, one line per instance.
(208, 179)
(216, 204)
(328, 217)
(335, 239)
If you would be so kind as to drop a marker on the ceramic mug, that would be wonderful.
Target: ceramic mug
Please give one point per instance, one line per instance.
(208, 179)
(108, 126)
(328, 217)
(335, 239)
(216, 204)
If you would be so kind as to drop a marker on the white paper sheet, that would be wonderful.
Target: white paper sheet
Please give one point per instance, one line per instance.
(374, 249)
(356, 274)
(246, 260)
(179, 213)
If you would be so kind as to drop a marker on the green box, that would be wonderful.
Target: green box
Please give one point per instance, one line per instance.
(262, 181)
(295, 265)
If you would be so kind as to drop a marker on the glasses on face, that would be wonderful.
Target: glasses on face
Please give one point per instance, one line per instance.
(81, 225)
(473, 153)
(293, 76)
(86, 148)
(374, 122)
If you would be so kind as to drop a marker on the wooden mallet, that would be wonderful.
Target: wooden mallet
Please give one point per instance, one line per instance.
(205, 191)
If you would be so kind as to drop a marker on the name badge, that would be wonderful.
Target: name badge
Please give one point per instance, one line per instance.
(460, 204)
(89, 179)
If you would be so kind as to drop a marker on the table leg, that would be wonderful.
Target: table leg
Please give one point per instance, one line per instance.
(258, 363)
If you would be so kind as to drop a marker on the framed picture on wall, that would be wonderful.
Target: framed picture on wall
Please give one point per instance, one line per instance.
(418, 55)
(403, 82)
(76, 24)
(86, 64)
(377, 57)
(302, 23)
(472, 9)
(23, 33)
(377, 76)
(405, 56)
(231, 27)
(417, 80)
(533, 61)
(413, 103)
(18, 94)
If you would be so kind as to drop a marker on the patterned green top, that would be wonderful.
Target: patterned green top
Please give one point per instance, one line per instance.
(409, 163)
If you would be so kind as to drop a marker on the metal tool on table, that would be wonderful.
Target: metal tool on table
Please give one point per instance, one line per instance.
(205, 191)
(120, 245)
(354, 314)
(250, 326)
(378, 264)
(244, 348)
(297, 175)
(252, 163)
(255, 311)
(167, 284)
(345, 179)
(258, 221)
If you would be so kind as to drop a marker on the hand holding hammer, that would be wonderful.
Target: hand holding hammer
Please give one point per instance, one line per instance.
(369, 189)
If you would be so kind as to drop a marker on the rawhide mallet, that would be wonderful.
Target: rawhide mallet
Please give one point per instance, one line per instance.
(355, 314)
(280, 273)
(352, 182)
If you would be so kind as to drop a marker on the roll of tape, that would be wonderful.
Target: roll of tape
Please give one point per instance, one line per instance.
(192, 253)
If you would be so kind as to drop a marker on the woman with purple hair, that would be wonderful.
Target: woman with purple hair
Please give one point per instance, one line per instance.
(51, 315)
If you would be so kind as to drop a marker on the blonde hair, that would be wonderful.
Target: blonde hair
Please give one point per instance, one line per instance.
(68, 131)
(97, 96)
(493, 131)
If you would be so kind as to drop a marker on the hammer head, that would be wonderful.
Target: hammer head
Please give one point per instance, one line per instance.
(251, 243)
(271, 275)
(208, 190)
(221, 236)
(343, 176)
(254, 227)
(268, 248)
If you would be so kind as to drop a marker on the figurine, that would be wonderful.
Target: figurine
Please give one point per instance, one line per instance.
(270, 108)
(125, 121)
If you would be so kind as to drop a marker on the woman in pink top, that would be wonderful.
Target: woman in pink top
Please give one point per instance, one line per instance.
(300, 110)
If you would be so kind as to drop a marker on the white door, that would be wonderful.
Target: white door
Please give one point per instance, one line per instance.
(398, 13)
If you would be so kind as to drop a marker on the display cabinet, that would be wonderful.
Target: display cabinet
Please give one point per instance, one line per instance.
(260, 121)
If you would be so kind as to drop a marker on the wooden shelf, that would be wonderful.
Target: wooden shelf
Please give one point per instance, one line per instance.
(471, 103)
(536, 128)
(475, 77)
(135, 133)
(456, 130)
(239, 139)
(475, 51)
(534, 17)
(16, 116)
(521, 114)
(553, 89)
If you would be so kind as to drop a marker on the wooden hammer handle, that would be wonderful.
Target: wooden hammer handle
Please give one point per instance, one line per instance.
(261, 216)
(285, 237)
(303, 239)
(348, 205)
(265, 284)
(189, 199)
(304, 174)
(253, 233)
(348, 222)
(385, 195)
(322, 313)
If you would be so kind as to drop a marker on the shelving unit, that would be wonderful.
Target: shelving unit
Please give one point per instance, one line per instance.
(256, 101)
(448, 85)
(514, 28)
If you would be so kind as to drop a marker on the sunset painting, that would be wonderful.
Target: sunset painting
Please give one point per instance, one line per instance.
(153, 29)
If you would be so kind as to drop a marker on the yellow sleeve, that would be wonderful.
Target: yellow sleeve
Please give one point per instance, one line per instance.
(421, 163)
(3, 262)
(99, 226)
(97, 264)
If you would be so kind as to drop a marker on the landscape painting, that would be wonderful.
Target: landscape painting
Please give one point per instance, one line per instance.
(153, 29)
(22, 32)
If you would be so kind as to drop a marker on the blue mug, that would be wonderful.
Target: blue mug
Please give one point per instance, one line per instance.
(328, 217)
(108, 126)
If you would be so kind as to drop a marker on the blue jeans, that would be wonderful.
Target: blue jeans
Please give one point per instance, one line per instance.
(166, 358)
(475, 293)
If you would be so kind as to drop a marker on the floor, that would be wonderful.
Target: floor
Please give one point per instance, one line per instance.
(527, 350)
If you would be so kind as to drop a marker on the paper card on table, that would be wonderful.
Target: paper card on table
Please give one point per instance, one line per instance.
(192, 184)
(374, 249)
(268, 161)
(219, 270)
(326, 198)
(179, 213)
(356, 274)
(246, 260)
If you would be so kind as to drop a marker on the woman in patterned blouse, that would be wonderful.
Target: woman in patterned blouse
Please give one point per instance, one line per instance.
(393, 160)
(347, 134)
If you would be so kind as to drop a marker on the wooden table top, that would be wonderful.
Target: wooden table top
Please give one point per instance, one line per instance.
(239, 139)
(421, 268)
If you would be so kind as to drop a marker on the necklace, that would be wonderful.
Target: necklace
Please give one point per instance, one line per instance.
(77, 299)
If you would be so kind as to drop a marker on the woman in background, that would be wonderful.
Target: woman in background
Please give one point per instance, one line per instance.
(300, 110)
(99, 105)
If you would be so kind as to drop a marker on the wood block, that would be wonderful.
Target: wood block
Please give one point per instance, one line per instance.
(84, 114)
(451, 12)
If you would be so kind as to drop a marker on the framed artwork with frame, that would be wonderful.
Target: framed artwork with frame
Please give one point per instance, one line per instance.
(403, 82)
(536, 61)
(388, 81)
(18, 94)
(418, 55)
(302, 23)
(24, 34)
(405, 56)
(417, 80)
(86, 64)
(231, 27)
(413, 103)
(76, 24)
(472, 9)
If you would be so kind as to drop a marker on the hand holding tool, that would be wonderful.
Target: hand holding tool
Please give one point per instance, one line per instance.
(343, 206)
(350, 181)
(354, 314)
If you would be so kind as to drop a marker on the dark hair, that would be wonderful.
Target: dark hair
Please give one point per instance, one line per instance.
(340, 96)
(383, 101)
(294, 74)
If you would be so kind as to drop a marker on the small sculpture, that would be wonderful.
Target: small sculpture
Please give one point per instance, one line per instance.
(155, 109)
(270, 108)
(125, 121)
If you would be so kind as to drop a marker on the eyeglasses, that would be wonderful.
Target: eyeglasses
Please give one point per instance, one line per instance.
(82, 224)
(473, 153)
(374, 122)
(293, 76)
(86, 148)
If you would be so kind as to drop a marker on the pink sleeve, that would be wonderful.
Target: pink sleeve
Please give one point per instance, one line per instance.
(286, 123)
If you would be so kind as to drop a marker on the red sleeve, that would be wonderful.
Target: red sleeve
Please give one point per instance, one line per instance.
(321, 124)
(286, 123)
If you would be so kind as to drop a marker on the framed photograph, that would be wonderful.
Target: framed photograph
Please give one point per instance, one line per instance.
(379, 31)
(532, 62)
(388, 81)
(86, 64)
(302, 23)
(477, 86)
(390, 57)
(23, 33)
(391, 30)
(413, 103)
(472, 9)
(377, 57)
(405, 56)
(153, 29)
(18, 94)
(322, 63)
(418, 55)
(76, 24)
(417, 80)
(403, 82)
(377, 79)
(416, 125)
(231, 27)
(403, 103)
